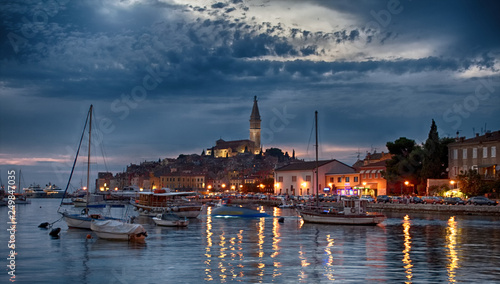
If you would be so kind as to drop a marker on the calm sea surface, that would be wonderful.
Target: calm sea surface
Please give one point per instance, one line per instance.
(413, 249)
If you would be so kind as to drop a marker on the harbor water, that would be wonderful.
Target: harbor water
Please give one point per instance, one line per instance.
(411, 248)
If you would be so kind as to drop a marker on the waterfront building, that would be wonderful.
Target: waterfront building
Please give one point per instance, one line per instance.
(371, 179)
(478, 153)
(183, 181)
(227, 149)
(343, 180)
(300, 178)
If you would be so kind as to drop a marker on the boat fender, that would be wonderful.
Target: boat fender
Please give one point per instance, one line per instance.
(169, 209)
(135, 208)
(89, 236)
(85, 211)
(140, 209)
(353, 210)
(281, 220)
(176, 208)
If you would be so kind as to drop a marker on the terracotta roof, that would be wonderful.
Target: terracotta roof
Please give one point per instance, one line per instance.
(488, 137)
(304, 166)
(375, 165)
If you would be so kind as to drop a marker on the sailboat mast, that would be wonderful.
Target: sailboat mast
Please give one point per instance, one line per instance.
(88, 154)
(317, 180)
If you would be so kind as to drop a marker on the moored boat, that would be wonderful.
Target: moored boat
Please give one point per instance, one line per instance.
(160, 201)
(118, 230)
(354, 213)
(35, 191)
(53, 191)
(170, 220)
(225, 209)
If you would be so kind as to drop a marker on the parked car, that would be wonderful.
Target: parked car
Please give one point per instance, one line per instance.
(416, 199)
(454, 201)
(383, 199)
(481, 200)
(433, 199)
(396, 199)
(368, 198)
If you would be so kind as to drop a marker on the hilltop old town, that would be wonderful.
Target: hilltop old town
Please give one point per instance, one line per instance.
(441, 166)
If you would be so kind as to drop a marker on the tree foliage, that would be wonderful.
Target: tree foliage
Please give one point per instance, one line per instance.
(471, 183)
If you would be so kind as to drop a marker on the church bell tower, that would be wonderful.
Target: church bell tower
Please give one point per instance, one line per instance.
(255, 125)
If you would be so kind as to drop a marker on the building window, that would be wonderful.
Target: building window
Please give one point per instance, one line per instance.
(331, 179)
(346, 179)
(280, 179)
(494, 152)
(355, 179)
(308, 178)
(364, 176)
(455, 154)
(474, 153)
(464, 153)
(294, 178)
(370, 175)
(339, 179)
(485, 152)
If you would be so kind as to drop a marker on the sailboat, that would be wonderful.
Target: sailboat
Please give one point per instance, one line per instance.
(354, 212)
(83, 219)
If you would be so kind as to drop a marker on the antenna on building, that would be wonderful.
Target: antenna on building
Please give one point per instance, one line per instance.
(358, 153)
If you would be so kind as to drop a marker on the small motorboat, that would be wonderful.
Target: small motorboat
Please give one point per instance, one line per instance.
(118, 230)
(170, 220)
(224, 209)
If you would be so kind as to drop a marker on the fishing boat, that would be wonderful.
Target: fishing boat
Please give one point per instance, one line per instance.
(226, 209)
(354, 212)
(170, 220)
(162, 200)
(118, 230)
(84, 218)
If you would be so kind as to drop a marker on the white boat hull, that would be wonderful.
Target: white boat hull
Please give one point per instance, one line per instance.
(117, 230)
(170, 223)
(82, 221)
(340, 219)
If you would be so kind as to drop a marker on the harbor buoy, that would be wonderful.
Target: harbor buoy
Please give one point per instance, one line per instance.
(44, 225)
(89, 236)
(281, 220)
(55, 233)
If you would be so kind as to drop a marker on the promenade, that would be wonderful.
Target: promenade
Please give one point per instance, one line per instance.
(395, 207)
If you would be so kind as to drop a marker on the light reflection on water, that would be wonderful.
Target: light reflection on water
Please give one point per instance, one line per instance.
(404, 249)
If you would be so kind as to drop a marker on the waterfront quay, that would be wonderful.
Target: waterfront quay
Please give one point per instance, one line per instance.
(396, 207)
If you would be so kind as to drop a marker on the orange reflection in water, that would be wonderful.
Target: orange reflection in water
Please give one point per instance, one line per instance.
(451, 242)
(208, 248)
(329, 263)
(407, 243)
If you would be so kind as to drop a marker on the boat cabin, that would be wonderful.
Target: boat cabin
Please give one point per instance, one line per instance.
(354, 206)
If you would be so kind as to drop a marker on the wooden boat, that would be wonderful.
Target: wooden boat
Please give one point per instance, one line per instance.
(170, 220)
(354, 212)
(160, 201)
(118, 230)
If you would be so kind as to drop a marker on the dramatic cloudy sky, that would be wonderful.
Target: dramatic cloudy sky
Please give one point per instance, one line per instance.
(172, 76)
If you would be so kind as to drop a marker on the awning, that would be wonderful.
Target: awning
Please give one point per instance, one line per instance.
(362, 172)
(486, 166)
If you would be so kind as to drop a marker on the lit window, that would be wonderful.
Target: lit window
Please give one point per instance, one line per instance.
(464, 153)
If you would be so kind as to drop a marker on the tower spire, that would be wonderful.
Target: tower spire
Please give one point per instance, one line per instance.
(255, 125)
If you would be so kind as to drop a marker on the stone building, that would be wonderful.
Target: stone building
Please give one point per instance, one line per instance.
(226, 149)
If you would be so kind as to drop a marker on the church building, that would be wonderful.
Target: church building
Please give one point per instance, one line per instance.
(225, 149)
